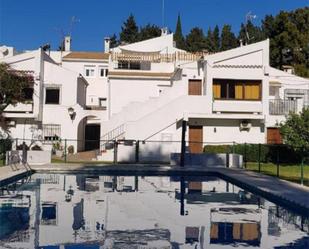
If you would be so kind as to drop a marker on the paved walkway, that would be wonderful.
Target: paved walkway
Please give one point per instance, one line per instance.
(288, 193)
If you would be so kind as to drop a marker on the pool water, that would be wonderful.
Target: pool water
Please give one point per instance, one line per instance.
(55, 211)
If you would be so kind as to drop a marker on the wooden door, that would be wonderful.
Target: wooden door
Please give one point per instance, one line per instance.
(273, 136)
(195, 87)
(196, 139)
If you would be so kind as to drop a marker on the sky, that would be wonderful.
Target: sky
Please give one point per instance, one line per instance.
(28, 24)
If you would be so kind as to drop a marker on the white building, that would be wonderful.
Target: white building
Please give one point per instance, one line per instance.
(140, 91)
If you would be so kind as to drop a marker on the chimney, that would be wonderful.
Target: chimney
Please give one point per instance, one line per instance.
(67, 43)
(164, 31)
(107, 42)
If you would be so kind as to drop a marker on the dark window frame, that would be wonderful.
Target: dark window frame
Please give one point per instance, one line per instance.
(129, 65)
(227, 82)
(48, 100)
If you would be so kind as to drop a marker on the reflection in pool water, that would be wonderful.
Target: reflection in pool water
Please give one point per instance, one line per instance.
(79, 211)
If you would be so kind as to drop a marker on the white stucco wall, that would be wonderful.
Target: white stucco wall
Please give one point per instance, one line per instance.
(222, 131)
(97, 86)
(125, 91)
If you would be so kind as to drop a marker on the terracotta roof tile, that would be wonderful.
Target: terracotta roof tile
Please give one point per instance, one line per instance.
(87, 55)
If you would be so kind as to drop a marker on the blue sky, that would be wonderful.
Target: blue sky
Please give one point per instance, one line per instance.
(27, 24)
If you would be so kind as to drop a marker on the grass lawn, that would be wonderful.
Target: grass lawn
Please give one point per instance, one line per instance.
(286, 172)
(58, 160)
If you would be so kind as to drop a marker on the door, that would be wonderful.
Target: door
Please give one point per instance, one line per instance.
(195, 87)
(196, 139)
(273, 136)
(92, 137)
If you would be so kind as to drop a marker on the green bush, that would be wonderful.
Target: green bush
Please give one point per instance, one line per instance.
(268, 153)
(71, 149)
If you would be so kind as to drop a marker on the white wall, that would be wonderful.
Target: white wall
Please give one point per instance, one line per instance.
(124, 91)
(227, 131)
(97, 86)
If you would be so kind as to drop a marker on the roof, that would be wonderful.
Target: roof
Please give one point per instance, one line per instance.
(138, 74)
(87, 56)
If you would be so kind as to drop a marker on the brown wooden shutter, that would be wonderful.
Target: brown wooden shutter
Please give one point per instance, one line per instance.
(273, 136)
(196, 139)
(195, 87)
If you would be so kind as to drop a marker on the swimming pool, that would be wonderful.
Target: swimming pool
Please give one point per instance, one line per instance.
(55, 211)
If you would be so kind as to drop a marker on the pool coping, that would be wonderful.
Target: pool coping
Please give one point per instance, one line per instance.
(288, 194)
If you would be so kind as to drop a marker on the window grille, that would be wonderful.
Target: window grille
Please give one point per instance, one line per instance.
(51, 131)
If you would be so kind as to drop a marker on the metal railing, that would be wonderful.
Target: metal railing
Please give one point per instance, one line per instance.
(282, 107)
(112, 135)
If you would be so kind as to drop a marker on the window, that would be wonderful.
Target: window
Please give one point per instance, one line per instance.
(103, 102)
(28, 93)
(51, 132)
(237, 89)
(133, 65)
(123, 65)
(52, 96)
(90, 71)
(49, 214)
(103, 72)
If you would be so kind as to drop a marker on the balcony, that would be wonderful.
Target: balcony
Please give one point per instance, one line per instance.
(237, 106)
(20, 108)
(282, 107)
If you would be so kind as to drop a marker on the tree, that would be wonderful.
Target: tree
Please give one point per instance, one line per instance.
(12, 85)
(129, 31)
(228, 39)
(196, 40)
(249, 33)
(213, 40)
(149, 31)
(178, 36)
(113, 41)
(295, 133)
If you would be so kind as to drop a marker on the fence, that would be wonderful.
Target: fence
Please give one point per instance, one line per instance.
(273, 159)
(276, 160)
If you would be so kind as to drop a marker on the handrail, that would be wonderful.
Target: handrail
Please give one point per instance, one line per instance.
(282, 107)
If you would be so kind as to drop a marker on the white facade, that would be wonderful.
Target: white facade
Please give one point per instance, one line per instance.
(138, 91)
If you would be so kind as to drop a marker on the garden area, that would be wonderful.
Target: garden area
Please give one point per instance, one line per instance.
(275, 160)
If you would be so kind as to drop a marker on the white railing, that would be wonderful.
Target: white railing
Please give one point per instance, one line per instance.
(282, 107)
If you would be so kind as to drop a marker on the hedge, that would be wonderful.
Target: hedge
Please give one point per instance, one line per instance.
(269, 153)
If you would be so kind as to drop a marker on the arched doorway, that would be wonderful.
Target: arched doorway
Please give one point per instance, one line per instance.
(88, 134)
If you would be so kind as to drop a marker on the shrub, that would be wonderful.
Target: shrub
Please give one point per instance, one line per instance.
(71, 149)
(5, 145)
(20, 147)
(268, 152)
(36, 147)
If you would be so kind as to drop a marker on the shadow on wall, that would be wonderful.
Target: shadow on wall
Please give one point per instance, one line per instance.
(159, 152)
(209, 160)
(148, 152)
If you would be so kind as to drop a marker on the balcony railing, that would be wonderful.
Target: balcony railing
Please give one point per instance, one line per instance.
(157, 57)
(282, 107)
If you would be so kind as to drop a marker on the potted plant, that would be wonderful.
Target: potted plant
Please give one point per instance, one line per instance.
(57, 149)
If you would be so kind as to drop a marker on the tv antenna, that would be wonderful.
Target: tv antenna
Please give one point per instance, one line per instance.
(72, 22)
(163, 10)
(62, 33)
(249, 17)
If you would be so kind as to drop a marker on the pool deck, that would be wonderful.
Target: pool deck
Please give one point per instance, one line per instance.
(284, 192)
